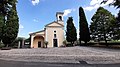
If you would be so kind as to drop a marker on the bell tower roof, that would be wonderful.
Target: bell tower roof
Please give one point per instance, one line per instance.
(59, 16)
(59, 13)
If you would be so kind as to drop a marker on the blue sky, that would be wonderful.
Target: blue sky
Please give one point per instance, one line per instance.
(35, 14)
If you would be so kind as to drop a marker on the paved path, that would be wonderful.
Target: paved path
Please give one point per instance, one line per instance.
(91, 55)
(4, 63)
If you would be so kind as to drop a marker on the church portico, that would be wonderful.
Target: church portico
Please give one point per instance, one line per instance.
(38, 41)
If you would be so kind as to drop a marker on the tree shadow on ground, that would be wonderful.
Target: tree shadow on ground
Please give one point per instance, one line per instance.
(97, 45)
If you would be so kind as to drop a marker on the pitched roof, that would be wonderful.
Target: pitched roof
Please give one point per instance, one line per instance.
(59, 13)
(54, 22)
(36, 32)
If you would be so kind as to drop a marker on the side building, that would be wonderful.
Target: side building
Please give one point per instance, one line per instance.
(53, 33)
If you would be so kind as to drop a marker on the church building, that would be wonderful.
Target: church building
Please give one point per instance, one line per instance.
(53, 33)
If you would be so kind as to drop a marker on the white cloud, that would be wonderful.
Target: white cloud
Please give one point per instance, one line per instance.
(35, 20)
(30, 32)
(68, 11)
(89, 8)
(21, 26)
(35, 2)
(94, 4)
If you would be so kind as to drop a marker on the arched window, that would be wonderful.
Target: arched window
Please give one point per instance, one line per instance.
(55, 36)
(60, 17)
(54, 31)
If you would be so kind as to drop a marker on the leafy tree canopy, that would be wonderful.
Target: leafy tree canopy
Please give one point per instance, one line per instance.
(102, 24)
(115, 3)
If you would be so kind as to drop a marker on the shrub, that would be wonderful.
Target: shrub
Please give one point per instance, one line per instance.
(64, 43)
(1, 45)
(46, 43)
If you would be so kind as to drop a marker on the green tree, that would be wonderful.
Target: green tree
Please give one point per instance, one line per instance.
(115, 3)
(11, 25)
(117, 28)
(27, 40)
(118, 23)
(83, 25)
(71, 35)
(1, 26)
(2, 14)
(102, 24)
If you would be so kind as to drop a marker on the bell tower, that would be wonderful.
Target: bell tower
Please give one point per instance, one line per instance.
(59, 16)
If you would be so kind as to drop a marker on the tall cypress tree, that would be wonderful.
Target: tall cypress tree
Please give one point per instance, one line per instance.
(71, 35)
(1, 25)
(3, 13)
(83, 25)
(11, 25)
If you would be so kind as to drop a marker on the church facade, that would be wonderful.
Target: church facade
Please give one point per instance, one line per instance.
(53, 33)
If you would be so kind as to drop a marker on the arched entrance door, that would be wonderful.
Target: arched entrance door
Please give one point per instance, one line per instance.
(38, 41)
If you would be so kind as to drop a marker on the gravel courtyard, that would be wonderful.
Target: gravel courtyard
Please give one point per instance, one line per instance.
(64, 55)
